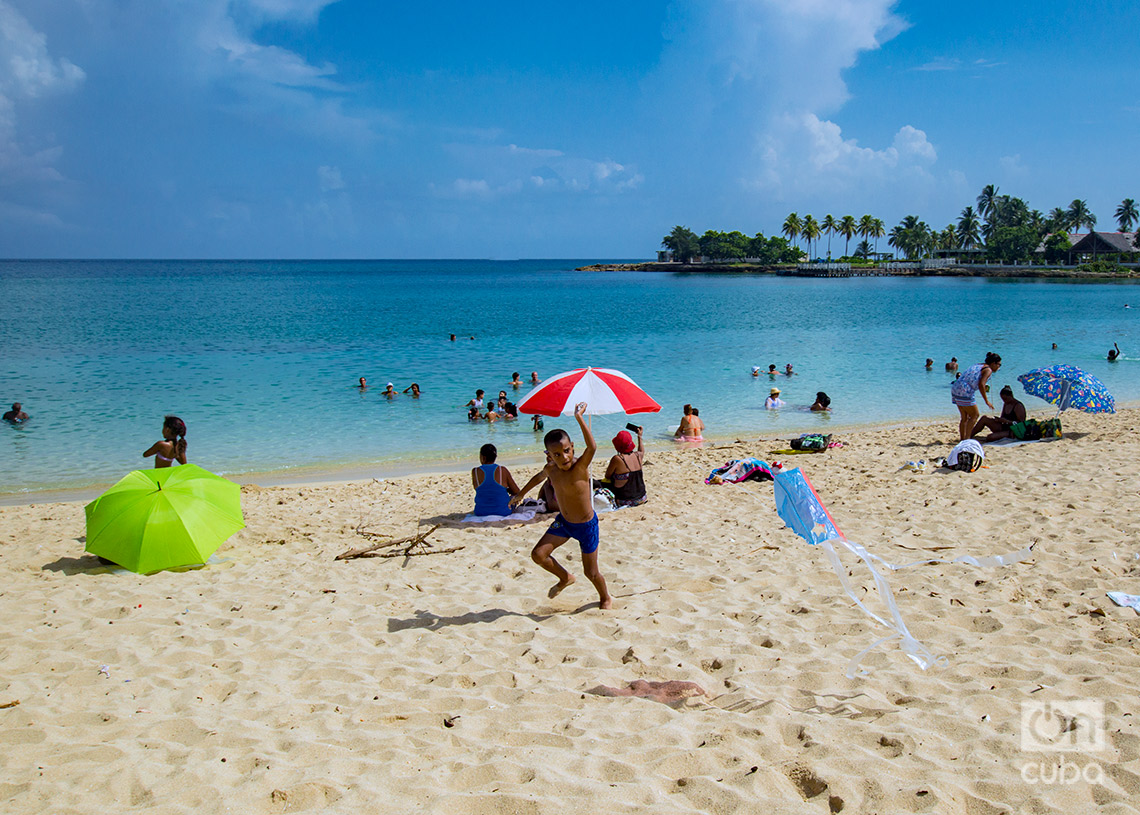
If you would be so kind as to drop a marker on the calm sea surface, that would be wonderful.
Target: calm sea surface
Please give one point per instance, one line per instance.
(261, 358)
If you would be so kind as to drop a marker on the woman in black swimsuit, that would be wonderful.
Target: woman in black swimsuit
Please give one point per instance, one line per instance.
(625, 470)
(1001, 427)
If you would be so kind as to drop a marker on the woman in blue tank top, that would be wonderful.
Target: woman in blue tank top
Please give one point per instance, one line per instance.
(493, 484)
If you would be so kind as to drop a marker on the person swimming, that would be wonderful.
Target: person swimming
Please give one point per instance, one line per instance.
(1114, 353)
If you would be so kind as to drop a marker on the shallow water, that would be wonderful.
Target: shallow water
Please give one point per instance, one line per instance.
(261, 358)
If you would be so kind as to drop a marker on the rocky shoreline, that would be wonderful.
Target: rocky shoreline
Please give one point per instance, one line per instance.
(792, 271)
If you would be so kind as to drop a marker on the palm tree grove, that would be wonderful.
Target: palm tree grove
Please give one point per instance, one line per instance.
(996, 228)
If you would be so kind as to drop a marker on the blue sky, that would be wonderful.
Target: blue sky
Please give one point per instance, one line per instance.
(355, 128)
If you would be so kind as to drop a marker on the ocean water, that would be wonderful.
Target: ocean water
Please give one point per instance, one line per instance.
(261, 358)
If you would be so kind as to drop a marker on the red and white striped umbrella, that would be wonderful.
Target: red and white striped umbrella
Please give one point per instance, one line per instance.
(603, 390)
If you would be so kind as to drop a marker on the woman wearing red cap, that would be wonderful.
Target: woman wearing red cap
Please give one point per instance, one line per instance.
(624, 470)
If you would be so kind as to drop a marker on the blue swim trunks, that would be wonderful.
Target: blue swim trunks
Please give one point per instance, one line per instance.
(585, 533)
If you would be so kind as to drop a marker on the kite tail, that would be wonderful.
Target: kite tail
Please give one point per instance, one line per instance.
(919, 653)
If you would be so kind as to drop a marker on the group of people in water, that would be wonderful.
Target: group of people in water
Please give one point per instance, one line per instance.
(390, 391)
(502, 408)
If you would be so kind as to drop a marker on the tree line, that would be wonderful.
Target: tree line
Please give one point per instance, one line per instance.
(1002, 227)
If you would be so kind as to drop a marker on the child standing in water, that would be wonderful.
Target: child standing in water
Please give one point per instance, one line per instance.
(570, 478)
(171, 451)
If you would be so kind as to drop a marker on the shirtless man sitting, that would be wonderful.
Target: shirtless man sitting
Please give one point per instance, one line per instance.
(1012, 412)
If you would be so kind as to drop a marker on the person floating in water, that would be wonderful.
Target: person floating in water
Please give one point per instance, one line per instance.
(952, 365)
(570, 478)
(515, 381)
(1114, 353)
(534, 377)
(171, 451)
(415, 390)
(929, 364)
(390, 391)
(16, 415)
(363, 386)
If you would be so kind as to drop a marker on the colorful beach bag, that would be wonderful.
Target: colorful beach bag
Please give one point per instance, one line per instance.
(814, 442)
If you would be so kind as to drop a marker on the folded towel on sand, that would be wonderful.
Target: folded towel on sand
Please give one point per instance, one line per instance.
(1015, 442)
(1128, 600)
(527, 515)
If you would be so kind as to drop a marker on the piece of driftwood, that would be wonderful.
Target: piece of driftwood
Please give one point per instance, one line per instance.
(13, 703)
(419, 539)
(408, 553)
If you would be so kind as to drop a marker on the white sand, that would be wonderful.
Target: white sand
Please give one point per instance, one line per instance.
(282, 681)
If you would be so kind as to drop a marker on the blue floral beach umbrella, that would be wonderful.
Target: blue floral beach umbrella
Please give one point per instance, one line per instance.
(1067, 386)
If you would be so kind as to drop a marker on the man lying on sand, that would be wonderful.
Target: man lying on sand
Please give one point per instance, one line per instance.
(570, 478)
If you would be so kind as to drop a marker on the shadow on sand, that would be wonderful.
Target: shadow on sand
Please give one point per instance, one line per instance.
(433, 622)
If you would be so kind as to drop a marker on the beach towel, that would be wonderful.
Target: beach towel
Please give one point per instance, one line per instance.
(740, 469)
(1131, 601)
(1015, 442)
(525, 515)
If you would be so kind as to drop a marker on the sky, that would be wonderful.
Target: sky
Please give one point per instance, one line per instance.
(370, 129)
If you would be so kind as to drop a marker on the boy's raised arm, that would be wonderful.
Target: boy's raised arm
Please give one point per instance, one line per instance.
(591, 445)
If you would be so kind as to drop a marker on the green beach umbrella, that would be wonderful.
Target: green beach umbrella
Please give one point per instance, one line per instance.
(158, 519)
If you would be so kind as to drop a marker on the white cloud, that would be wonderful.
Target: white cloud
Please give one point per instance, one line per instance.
(27, 70)
(1013, 166)
(803, 155)
(511, 169)
(940, 64)
(305, 10)
(27, 73)
(467, 187)
(330, 178)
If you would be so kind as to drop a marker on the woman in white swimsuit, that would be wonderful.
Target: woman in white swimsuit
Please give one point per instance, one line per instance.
(171, 451)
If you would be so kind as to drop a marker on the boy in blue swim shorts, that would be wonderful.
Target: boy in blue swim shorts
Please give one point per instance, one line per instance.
(570, 478)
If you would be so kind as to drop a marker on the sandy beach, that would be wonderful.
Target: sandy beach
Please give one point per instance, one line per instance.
(281, 680)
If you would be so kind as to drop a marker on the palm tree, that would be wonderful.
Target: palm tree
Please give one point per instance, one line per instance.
(848, 229)
(830, 227)
(1059, 219)
(1080, 215)
(1126, 215)
(863, 250)
(811, 231)
(912, 237)
(987, 201)
(968, 226)
(897, 238)
(878, 229)
(866, 226)
(948, 238)
(792, 227)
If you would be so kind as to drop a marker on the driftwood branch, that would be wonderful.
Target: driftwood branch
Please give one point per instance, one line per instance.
(419, 539)
(408, 553)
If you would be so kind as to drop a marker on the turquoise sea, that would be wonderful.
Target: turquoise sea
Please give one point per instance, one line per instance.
(261, 358)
